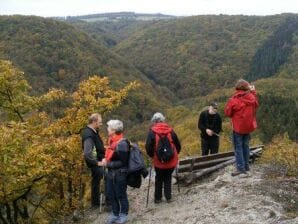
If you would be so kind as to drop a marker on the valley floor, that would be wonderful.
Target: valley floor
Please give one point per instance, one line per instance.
(217, 199)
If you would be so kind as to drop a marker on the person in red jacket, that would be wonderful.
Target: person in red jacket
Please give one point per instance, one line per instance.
(242, 107)
(163, 146)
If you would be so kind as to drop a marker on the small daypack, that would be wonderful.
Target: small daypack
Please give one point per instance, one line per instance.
(165, 150)
(136, 166)
(136, 160)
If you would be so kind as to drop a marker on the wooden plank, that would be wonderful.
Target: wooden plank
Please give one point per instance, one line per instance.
(201, 165)
(212, 157)
(206, 158)
(196, 175)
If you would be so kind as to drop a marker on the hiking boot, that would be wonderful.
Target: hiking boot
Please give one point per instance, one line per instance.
(112, 218)
(238, 172)
(157, 201)
(169, 200)
(94, 207)
(243, 175)
(122, 219)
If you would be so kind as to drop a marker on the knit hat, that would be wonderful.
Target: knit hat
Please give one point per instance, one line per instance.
(242, 85)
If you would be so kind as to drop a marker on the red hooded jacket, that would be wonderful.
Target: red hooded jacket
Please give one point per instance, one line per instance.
(242, 107)
(164, 129)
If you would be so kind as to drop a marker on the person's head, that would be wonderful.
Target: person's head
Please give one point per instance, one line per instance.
(95, 120)
(242, 84)
(213, 108)
(158, 117)
(115, 127)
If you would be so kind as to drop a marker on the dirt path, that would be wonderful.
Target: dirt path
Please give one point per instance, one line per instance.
(219, 199)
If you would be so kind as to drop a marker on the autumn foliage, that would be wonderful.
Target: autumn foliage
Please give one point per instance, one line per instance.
(42, 173)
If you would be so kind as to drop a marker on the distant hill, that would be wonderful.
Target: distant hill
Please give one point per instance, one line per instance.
(116, 16)
(111, 33)
(55, 54)
(186, 62)
(192, 56)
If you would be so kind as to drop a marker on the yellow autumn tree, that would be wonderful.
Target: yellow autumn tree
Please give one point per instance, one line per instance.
(41, 166)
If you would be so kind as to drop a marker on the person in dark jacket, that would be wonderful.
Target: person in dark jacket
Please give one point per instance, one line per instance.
(93, 153)
(242, 108)
(210, 124)
(116, 160)
(163, 170)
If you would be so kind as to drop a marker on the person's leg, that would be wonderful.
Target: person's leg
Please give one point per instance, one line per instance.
(158, 185)
(246, 151)
(95, 184)
(168, 183)
(121, 192)
(111, 193)
(214, 145)
(204, 147)
(238, 146)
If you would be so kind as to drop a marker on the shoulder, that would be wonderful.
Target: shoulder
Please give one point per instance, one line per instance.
(87, 132)
(204, 113)
(151, 133)
(123, 145)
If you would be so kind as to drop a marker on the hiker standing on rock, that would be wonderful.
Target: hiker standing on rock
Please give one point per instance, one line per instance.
(242, 107)
(210, 125)
(93, 153)
(116, 160)
(163, 146)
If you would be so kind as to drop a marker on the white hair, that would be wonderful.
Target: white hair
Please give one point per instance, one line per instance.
(158, 117)
(116, 125)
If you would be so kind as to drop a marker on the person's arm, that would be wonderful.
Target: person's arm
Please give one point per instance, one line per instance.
(150, 143)
(256, 98)
(229, 108)
(202, 122)
(176, 141)
(101, 151)
(88, 150)
(219, 124)
(122, 155)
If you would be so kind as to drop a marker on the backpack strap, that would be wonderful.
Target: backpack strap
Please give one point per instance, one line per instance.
(127, 141)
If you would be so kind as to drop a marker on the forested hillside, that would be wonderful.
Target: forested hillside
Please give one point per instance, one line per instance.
(207, 52)
(180, 65)
(55, 54)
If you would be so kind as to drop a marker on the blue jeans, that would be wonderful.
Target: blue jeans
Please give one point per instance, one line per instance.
(117, 191)
(241, 146)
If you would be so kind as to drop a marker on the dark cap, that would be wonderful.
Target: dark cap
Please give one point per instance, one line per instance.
(214, 105)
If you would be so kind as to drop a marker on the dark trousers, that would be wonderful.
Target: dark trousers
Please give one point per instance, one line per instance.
(241, 145)
(209, 145)
(163, 178)
(97, 174)
(117, 192)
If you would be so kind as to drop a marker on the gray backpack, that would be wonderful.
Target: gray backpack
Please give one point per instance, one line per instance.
(136, 161)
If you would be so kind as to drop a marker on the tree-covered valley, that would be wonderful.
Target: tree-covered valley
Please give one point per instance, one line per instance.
(54, 72)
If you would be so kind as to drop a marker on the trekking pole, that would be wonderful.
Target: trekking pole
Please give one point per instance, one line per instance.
(177, 177)
(102, 189)
(150, 171)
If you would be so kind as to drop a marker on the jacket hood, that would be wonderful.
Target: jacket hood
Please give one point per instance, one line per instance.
(245, 96)
(161, 128)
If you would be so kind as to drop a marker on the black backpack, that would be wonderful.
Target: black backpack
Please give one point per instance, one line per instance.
(136, 166)
(164, 151)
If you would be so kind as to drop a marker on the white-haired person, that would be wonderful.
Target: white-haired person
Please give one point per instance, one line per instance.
(163, 146)
(116, 161)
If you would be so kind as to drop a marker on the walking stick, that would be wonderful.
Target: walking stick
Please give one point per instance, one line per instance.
(177, 177)
(150, 171)
(102, 189)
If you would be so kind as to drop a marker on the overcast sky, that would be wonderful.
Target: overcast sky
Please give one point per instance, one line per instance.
(172, 7)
